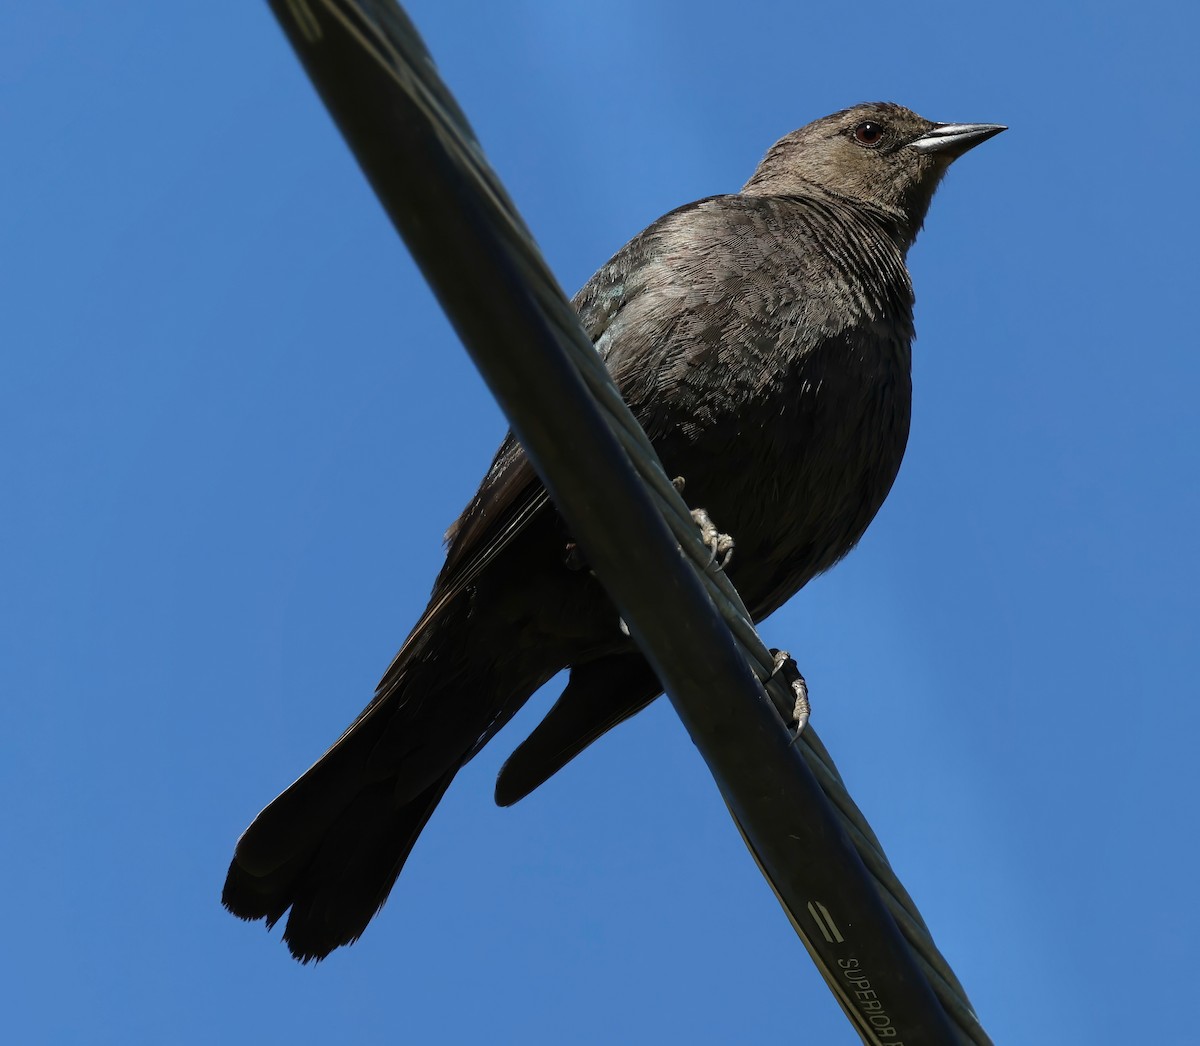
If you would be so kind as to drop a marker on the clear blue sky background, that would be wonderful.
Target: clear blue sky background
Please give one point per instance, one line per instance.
(234, 423)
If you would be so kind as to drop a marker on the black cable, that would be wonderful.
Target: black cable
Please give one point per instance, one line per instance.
(417, 150)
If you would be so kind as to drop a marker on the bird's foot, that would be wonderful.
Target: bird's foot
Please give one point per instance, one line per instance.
(720, 545)
(786, 665)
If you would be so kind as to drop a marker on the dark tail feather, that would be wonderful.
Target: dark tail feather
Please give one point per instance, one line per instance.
(331, 846)
(280, 843)
(599, 695)
(348, 878)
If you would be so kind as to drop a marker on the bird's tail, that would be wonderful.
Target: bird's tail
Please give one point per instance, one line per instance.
(331, 846)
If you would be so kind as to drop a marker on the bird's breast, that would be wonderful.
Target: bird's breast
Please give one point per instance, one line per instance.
(796, 470)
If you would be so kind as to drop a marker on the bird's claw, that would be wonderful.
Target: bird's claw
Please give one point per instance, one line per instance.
(720, 545)
(785, 664)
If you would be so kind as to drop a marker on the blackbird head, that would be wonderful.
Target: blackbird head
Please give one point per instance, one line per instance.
(878, 154)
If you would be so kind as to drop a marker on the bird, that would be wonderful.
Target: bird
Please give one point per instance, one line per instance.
(763, 339)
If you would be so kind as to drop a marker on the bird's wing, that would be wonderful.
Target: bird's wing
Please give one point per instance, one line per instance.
(598, 696)
(658, 313)
(511, 495)
(685, 367)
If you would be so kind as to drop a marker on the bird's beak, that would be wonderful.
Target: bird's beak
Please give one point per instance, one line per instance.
(954, 139)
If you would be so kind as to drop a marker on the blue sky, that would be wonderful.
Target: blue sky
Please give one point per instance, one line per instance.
(234, 424)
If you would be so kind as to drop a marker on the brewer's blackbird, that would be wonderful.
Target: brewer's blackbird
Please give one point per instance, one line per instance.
(763, 341)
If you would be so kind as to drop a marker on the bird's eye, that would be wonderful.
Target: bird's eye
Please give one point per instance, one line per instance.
(868, 133)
